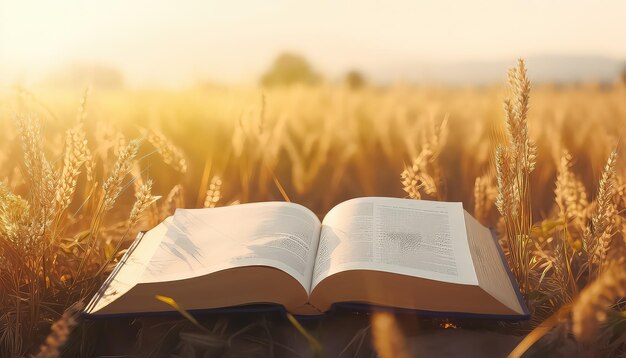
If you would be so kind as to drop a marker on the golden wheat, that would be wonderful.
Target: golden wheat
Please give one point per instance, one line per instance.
(123, 165)
(600, 233)
(318, 146)
(74, 158)
(144, 199)
(515, 160)
(570, 193)
(170, 154)
(485, 193)
(424, 174)
(213, 194)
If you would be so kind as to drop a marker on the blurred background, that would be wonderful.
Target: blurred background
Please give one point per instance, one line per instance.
(142, 44)
(333, 83)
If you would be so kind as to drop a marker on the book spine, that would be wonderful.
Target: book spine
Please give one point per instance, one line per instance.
(114, 273)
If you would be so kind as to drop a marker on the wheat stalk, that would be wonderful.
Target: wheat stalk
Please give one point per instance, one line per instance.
(514, 162)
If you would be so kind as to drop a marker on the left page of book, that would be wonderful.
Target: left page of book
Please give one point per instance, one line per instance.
(202, 241)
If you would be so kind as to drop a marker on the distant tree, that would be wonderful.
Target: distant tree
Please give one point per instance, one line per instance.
(288, 69)
(355, 79)
(82, 75)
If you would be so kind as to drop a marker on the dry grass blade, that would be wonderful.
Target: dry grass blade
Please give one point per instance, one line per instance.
(172, 303)
(315, 345)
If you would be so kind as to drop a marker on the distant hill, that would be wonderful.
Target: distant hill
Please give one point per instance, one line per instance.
(554, 69)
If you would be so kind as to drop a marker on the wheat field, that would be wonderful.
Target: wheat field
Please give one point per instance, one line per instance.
(82, 173)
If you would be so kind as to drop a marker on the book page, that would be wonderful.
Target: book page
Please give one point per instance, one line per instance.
(201, 241)
(420, 238)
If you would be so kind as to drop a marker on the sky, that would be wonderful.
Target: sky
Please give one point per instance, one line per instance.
(173, 43)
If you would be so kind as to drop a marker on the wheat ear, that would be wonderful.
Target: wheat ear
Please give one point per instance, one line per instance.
(484, 196)
(144, 199)
(214, 193)
(171, 154)
(599, 235)
(112, 187)
(73, 159)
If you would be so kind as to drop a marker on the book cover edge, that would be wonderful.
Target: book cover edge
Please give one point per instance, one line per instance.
(98, 295)
(512, 278)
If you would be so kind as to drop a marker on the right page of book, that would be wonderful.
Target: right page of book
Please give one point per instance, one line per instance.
(419, 238)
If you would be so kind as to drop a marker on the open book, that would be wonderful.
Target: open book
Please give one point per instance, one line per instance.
(399, 253)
